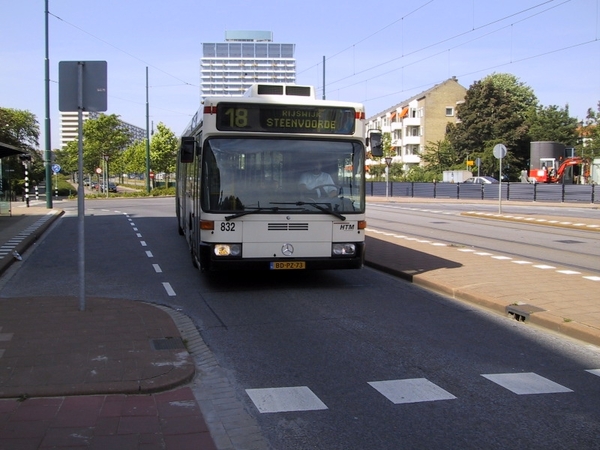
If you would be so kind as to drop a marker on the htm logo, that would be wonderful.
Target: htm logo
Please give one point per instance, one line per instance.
(346, 227)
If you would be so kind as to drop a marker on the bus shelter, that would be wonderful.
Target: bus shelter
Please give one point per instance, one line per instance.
(6, 196)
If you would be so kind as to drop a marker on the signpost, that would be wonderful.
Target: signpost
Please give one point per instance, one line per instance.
(499, 153)
(82, 87)
(55, 170)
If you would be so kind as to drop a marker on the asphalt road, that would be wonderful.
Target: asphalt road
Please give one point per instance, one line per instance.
(577, 249)
(337, 359)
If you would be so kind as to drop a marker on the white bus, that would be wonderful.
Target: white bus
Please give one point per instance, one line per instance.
(274, 180)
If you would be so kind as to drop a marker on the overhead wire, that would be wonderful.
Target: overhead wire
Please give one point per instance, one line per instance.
(451, 48)
(122, 51)
(432, 45)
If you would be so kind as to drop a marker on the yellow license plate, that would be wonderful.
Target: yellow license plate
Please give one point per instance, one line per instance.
(288, 265)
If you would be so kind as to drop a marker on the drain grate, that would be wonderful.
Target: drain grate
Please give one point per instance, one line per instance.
(167, 344)
(570, 241)
(522, 312)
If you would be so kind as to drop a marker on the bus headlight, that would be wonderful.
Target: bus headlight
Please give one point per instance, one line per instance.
(228, 249)
(347, 249)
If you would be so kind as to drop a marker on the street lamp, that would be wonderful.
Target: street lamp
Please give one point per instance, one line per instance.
(388, 163)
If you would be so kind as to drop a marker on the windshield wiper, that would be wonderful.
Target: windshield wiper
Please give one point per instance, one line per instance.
(257, 210)
(317, 206)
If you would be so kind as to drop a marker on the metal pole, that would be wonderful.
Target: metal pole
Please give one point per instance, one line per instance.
(147, 136)
(323, 77)
(500, 189)
(48, 152)
(387, 181)
(80, 193)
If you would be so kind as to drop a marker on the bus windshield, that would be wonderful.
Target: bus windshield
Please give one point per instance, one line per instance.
(280, 175)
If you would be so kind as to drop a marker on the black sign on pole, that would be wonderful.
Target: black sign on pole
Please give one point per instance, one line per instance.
(94, 84)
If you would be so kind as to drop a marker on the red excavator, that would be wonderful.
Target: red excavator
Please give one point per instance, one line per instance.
(553, 171)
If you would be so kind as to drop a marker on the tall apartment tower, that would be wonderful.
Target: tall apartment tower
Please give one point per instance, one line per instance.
(69, 127)
(245, 58)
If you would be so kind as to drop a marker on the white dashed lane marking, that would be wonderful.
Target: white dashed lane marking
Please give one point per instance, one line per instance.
(157, 269)
(591, 227)
(169, 289)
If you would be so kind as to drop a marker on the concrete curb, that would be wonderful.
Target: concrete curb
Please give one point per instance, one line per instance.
(541, 319)
(29, 236)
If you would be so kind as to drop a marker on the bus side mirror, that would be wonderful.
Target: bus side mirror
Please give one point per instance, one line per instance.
(375, 143)
(186, 149)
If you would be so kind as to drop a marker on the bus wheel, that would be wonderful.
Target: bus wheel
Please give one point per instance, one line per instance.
(194, 260)
(204, 262)
(204, 266)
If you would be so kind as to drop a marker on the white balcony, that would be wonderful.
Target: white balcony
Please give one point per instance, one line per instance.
(411, 140)
(412, 121)
(411, 159)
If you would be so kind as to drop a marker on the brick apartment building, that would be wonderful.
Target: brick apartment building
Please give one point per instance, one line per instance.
(419, 120)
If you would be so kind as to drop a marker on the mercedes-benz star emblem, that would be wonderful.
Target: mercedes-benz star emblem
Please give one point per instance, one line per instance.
(287, 249)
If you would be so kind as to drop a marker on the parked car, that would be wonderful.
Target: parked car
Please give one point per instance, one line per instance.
(481, 180)
(112, 187)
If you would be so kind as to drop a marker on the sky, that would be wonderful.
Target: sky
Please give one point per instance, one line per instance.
(379, 53)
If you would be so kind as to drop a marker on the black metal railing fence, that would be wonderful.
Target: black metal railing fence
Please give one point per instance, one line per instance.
(561, 193)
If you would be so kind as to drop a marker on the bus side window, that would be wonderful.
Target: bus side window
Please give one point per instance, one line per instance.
(188, 144)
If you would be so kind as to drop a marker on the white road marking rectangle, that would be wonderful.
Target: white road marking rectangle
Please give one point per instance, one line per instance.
(413, 390)
(285, 399)
(526, 383)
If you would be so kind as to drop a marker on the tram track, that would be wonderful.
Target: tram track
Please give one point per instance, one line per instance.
(555, 246)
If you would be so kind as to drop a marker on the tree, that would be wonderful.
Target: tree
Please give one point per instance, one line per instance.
(589, 133)
(552, 124)
(134, 157)
(440, 156)
(495, 111)
(163, 150)
(104, 138)
(19, 128)
(68, 157)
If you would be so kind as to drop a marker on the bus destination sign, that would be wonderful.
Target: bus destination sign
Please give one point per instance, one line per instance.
(255, 117)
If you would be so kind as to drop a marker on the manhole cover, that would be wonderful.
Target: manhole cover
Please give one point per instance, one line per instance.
(167, 344)
(569, 241)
